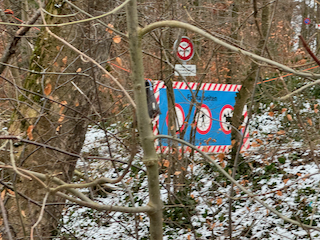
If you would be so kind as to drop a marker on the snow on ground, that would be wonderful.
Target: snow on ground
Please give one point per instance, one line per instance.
(283, 175)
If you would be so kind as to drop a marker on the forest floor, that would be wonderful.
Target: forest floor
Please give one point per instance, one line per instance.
(284, 174)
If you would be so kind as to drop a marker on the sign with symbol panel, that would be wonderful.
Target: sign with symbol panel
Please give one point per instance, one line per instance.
(185, 49)
(208, 120)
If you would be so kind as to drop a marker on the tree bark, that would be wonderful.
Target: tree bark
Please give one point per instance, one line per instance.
(53, 110)
(144, 122)
(248, 83)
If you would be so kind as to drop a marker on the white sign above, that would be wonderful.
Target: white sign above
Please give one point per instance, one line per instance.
(185, 70)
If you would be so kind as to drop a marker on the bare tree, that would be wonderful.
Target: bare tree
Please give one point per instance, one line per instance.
(54, 107)
(60, 97)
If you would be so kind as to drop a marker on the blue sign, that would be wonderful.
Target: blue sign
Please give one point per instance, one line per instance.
(307, 21)
(210, 124)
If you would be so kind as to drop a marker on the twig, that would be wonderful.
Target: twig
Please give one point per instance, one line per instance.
(313, 211)
(45, 73)
(178, 24)
(10, 50)
(98, 20)
(5, 219)
(14, 185)
(85, 201)
(39, 205)
(264, 40)
(60, 16)
(86, 97)
(84, 185)
(68, 23)
(40, 216)
(43, 177)
(63, 151)
(289, 95)
(88, 58)
(100, 207)
(305, 45)
(13, 162)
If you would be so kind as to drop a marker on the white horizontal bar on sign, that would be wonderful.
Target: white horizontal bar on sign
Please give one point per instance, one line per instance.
(185, 70)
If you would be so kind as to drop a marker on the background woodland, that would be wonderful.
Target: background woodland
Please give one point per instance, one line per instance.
(77, 148)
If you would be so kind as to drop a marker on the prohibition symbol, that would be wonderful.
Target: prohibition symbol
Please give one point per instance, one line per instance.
(185, 49)
(307, 21)
(179, 120)
(204, 119)
(225, 117)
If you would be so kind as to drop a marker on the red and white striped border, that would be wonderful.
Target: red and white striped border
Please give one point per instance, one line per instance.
(157, 85)
(211, 149)
(204, 86)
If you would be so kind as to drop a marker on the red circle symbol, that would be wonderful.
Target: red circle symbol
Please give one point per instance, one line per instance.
(307, 21)
(204, 119)
(225, 117)
(180, 117)
(185, 49)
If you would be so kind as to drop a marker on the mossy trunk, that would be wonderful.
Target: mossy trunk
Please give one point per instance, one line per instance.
(51, 111)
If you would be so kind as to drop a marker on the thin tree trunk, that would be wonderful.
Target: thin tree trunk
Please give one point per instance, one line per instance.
(248, 83)
(144, 122)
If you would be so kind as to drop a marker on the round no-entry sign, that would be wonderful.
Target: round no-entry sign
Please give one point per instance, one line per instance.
(180, 118)
(307, 21)
(185, 49)
(204, 119)
(225, 117)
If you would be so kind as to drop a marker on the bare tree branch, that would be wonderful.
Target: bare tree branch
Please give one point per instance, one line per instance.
(89, 59)
(11, 47)
(5, 219)
(305, 45)
(40, 216)
(289, 95)
(13, 162)
(84, 185)
(98, 20)
(68, 23)
(101, 207)
(85, 201)
(177, 24)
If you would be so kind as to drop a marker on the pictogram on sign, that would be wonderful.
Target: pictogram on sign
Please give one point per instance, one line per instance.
(179, 119)
(210, 122)
(204, 119)
(225, 118)
(185, 49)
